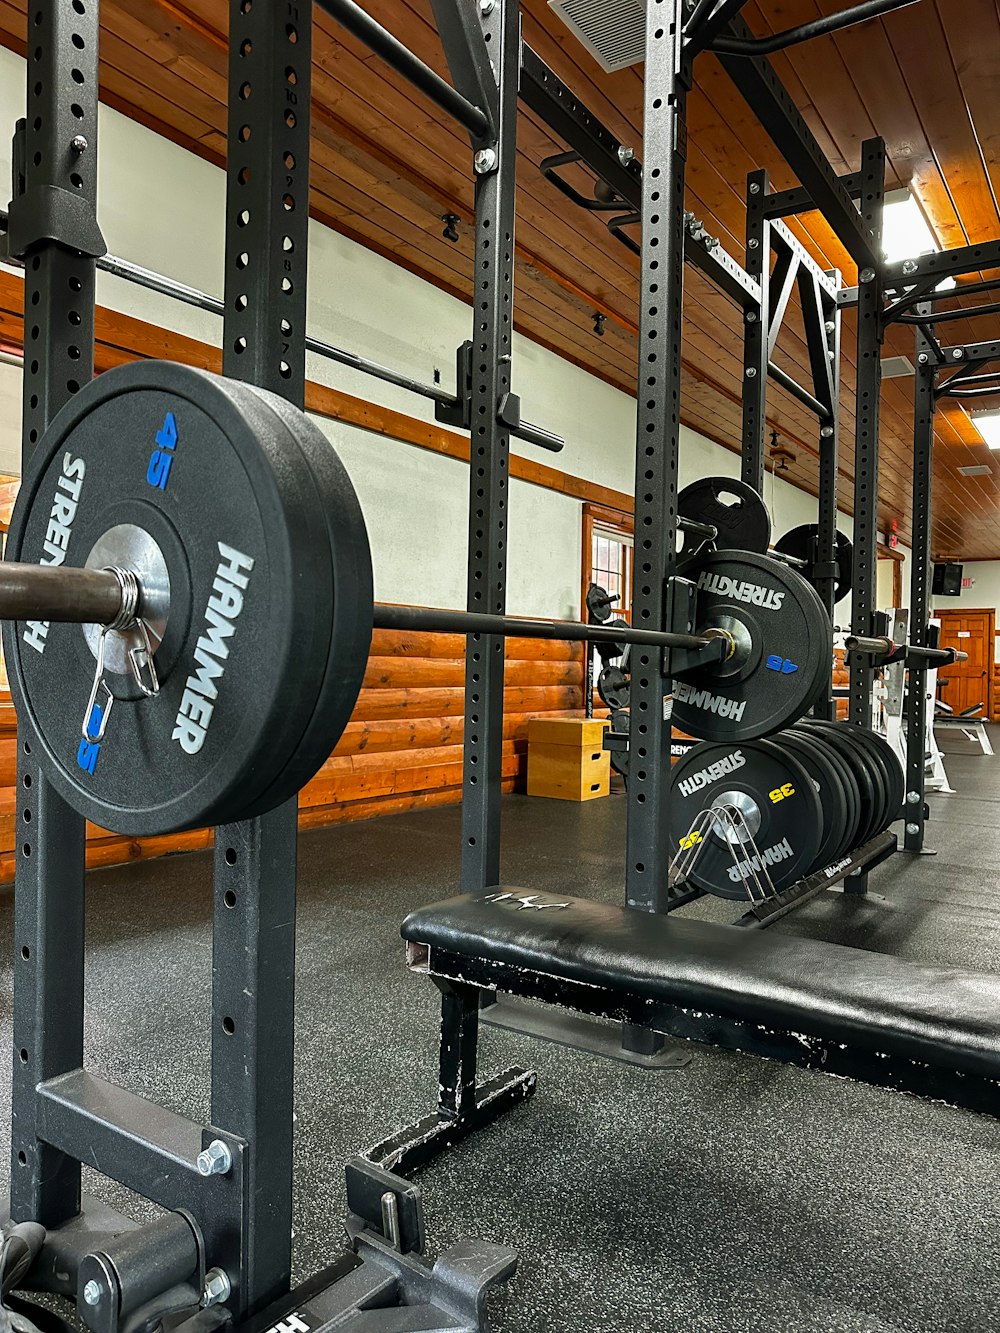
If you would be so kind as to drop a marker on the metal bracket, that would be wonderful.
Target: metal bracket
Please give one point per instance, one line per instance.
(680, 617)
(48, 213)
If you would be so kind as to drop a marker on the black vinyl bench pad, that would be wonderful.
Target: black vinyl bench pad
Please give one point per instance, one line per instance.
(941, 1016)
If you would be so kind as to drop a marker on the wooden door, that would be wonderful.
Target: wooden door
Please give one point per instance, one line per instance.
(968, 683)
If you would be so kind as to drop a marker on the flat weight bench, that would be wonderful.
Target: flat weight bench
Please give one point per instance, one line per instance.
(970, 722)
(929, 1030)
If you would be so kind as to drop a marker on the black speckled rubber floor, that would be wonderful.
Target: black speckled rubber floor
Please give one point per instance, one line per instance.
(735, 1196)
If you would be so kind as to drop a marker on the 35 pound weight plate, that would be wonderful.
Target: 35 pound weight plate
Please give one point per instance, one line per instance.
(198, 477)
(783, 645)
(772, 791)
(829, 788)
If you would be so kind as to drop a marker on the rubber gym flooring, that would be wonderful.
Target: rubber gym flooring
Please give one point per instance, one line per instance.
(734, 1195)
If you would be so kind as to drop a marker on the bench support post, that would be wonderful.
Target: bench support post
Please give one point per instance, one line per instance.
(465, 1106)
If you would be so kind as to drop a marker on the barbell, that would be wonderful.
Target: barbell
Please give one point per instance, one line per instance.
(912, 653)
(188, 607)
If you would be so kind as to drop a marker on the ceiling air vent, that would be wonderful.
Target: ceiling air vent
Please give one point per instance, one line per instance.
(896, 367)
(613, 31)
(977, 470)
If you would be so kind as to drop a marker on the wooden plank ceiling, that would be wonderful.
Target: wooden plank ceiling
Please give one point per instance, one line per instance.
(387, 166)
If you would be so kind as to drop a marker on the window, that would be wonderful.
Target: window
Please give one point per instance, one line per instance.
(607, 557)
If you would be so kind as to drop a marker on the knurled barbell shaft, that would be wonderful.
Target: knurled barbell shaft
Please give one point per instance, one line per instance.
(60, 593)
(438, 620)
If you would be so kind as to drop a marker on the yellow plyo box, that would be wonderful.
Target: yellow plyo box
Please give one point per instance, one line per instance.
(566, 758)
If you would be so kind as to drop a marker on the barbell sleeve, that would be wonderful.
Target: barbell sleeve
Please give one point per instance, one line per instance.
(881, 647)
(876, 647)
(60, 593)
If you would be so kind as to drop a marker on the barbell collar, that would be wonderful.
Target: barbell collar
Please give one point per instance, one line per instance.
(67, 594)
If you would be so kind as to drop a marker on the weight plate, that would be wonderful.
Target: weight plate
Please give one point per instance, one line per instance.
(824, 666)
(620, 721)
(800, 543)
(350, 622)
(830, 790)
(182, 468)
(897, 778)
(783, 641)
(611, 652)
(256, 793)
(613, 687)
(773, 791)
(869, 799)
(599, 604)
(732, 507)
(853, 804)
(880, 775)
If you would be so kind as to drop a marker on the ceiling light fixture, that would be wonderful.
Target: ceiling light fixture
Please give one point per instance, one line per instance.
(906, 233)
(988, 425)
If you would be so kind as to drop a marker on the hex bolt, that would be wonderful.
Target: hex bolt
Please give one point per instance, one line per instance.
(913, 829)
(92, 1293)
(751, 373)
(867, 275)
(79, 143)
(485, 161)
(751, 317)
(215, 1160)
(830, 326)
(909, 266)
(912, 797)
(217, 1288)
(625, 154)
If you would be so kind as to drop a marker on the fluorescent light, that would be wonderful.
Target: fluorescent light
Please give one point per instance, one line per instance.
(906, 233)
(988, 425)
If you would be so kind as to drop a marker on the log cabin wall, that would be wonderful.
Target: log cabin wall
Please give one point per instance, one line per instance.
(402, 749)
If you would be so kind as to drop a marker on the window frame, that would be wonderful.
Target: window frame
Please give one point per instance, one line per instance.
(595, 515)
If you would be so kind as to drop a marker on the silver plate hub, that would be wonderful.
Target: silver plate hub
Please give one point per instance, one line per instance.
(130, 547)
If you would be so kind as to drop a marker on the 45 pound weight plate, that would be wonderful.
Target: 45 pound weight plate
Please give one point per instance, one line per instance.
(783, 643)
(192, 480)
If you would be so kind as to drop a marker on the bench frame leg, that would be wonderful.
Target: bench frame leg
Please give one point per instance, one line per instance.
(464, 1104)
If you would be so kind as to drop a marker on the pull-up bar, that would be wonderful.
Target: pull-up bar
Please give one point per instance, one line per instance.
(378, 39)
(805, 32)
